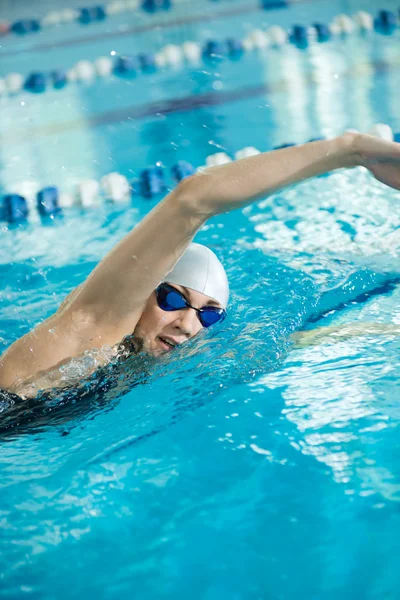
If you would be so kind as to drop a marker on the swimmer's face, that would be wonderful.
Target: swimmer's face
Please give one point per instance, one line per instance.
(160, 331)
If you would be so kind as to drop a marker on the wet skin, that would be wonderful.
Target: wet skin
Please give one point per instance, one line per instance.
(160, 331)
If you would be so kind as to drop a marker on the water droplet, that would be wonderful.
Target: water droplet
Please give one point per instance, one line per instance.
(217, 85)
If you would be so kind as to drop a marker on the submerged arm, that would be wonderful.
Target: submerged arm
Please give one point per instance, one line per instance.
(337, 333)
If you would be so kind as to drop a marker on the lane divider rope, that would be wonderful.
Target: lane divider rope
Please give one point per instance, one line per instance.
(28, 201)
(173, 56)
(94, 14)
(83, 16)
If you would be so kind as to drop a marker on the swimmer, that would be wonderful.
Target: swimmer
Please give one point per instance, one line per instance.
(155, 289)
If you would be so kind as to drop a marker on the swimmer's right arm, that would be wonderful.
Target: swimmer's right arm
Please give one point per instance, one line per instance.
(337, 333)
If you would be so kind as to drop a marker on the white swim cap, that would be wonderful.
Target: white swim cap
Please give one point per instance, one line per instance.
(199, 269)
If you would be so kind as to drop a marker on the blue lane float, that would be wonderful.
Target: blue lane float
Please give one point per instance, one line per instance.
(25, 26)
(181, 170)
(59, 79)
(298, 36)
(36, 83)
(385, 21)
(47, 201)
(89, 15)
(213, 49)
(273, 4)
(151, 6)
(323, 32)
(126, 65)
(234, 47)
(151, 182)
(147, 61)
(15, 208)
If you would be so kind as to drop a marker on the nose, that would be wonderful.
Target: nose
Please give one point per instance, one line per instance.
(187, 322)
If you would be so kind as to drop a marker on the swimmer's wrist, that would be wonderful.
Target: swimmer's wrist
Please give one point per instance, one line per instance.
(349, 144)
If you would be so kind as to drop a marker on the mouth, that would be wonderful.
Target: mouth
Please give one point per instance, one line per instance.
(167, 344)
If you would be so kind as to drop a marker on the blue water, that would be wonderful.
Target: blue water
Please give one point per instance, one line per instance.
(238, 467)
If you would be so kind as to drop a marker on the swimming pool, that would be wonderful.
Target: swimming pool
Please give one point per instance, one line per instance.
(242, 468)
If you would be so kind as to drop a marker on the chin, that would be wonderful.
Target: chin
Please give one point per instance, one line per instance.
(151, 347)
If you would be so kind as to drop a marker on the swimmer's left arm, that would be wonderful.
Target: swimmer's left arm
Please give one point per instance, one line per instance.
(108, 304)
(338, 333)
(115, 292)
(234, 185)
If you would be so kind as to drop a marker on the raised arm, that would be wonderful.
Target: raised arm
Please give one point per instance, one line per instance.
(107, 306)
(124, 279)
(129, 273)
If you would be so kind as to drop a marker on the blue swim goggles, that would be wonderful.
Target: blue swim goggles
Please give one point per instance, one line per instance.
(169, 299)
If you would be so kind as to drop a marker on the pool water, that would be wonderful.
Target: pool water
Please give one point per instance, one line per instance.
(239, 466)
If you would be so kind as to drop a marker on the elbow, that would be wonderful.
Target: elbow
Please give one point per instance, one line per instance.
(191, 196)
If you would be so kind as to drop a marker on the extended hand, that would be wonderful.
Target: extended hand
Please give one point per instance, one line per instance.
(380, 157)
